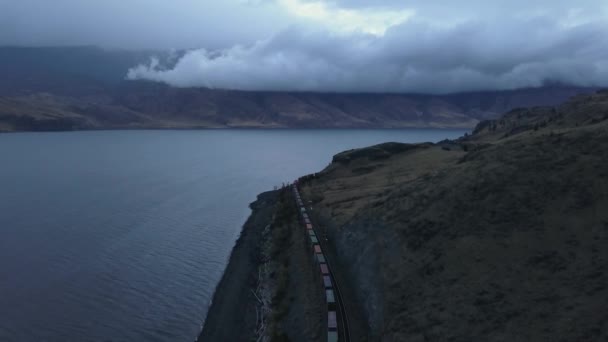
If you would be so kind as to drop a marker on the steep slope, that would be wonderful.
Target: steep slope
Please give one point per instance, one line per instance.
(497, 236)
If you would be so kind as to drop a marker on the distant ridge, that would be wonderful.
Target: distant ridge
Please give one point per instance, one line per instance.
(82, 88)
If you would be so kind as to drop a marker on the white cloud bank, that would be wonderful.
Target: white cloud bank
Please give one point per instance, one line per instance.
(335, 45)
(328, 15)
(411, 56)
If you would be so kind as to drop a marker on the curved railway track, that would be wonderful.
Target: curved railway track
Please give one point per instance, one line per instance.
(342, 331)
(343, 334)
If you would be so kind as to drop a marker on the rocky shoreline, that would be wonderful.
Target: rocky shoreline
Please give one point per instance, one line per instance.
(270, 290)
(232, 314)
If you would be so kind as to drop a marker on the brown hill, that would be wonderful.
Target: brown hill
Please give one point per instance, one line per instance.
(498, 236)
(151, 105)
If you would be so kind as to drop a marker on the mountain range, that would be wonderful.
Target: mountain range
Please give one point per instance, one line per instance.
(85, 88)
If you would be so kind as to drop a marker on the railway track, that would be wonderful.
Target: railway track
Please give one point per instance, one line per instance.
(342, 332)
(345, 332)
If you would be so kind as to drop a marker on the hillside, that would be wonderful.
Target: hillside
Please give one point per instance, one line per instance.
(85, 88)
(496, 236)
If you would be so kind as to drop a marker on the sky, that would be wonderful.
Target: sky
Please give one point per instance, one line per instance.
(421, 46)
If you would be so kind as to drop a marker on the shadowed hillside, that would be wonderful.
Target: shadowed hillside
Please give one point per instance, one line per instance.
(496, 236)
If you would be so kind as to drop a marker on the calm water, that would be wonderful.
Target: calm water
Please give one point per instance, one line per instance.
(122, 236)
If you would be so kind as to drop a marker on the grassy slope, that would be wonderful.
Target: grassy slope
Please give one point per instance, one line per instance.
(502, 242)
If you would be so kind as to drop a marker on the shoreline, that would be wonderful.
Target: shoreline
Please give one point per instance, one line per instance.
(245, 128)
(270, 289)
(232, 313)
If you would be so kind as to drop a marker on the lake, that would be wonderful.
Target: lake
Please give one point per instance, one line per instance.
(123, 235)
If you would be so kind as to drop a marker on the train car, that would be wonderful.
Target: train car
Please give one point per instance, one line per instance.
(327, 282)
(308, 226)
(313, 240)
(332, 321)
(331, 298)
(332, 336)
(317, 249)
(324, 270)
(320, 258)
(311, 234)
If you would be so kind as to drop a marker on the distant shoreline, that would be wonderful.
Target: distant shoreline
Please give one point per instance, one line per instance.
(239, 129)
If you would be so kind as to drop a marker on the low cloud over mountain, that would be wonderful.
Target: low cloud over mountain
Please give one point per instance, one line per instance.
(414, 56)
(335, 46)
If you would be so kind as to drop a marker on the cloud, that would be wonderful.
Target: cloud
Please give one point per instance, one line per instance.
(136, 24)
(414, 56)
(334, 45)
(372, 21)
(477, 8)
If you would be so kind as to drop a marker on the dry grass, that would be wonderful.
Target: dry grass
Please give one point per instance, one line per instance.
(346, 189)
(503, 242)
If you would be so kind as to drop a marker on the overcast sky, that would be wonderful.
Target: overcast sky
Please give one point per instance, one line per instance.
(342, 45)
